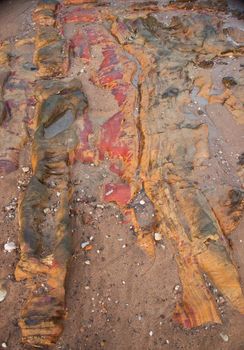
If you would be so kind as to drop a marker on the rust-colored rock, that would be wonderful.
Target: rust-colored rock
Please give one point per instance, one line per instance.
(51, 56)
(167, 82)
(45, 236)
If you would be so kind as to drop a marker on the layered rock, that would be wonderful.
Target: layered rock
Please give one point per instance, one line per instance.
(45, 234)
(16, 101)
(51, 56)
(158, 71)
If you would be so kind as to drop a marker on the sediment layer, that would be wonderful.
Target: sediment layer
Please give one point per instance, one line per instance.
(166, 74)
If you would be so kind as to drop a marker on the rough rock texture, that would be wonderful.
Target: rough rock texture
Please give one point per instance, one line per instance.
(46, 248)
(141, 93)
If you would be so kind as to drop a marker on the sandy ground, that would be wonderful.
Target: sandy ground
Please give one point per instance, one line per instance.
(118, 298)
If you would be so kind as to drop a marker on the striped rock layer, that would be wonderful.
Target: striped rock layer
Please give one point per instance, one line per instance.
(138, 85)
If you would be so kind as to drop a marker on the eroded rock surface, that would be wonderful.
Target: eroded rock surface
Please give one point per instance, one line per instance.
(146, 88)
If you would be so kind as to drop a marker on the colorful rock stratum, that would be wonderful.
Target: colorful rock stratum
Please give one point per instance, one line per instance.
(144, 87)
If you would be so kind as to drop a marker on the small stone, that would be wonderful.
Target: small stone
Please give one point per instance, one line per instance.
(177, 287)
(9, 208)
(109, 192)
(167, 341)
(151, 333)
(3, 294)
(9, 247)
(84, 244)
(157, 236)
(142, 202)
(224, 337)
(4, 345)
(46, 211)
(25, 169)
(87, 287)
(123, 282)
(87, 262)
(221, 300)
(58, 194)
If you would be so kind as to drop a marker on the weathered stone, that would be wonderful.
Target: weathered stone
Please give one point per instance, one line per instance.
(156, 65)
(41, 254)
(52, 59)
(44, 17)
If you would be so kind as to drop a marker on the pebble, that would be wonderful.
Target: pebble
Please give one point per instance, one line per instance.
(4, 345)
(157, 236)
(25, 169)
(177, 287)
(142, 202)
(46, 210)
(9, 247)
(9, 207)
(87, 262)
(151, 333)
(224, 337)
(3, 294)
(84, 244)
(109, 192)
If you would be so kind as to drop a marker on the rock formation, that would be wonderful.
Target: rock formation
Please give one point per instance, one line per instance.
(143, 86)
